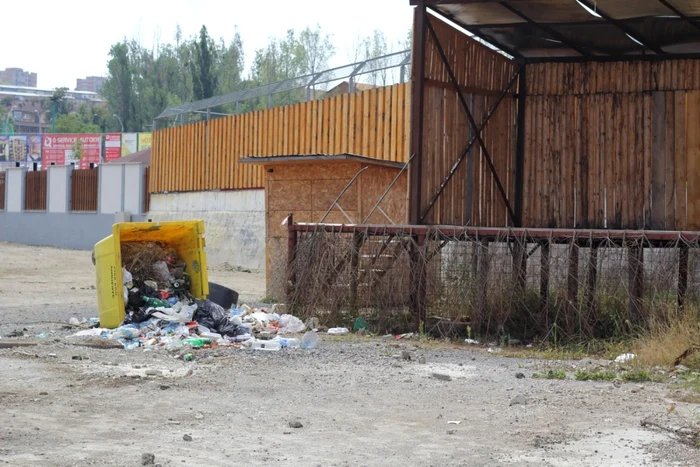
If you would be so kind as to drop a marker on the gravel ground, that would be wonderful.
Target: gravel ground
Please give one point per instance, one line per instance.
(352, 401)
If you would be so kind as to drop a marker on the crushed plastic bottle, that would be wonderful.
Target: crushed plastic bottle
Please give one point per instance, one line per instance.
(266, 345)
(291, 343)
(338, 331)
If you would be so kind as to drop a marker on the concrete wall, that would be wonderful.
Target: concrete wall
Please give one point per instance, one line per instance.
(234, 222)
(60, 227)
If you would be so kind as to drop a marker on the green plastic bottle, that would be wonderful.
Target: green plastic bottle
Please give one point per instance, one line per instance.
(155, 303)
(198, 341)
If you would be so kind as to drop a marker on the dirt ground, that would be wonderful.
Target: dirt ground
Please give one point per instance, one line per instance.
(358, 402)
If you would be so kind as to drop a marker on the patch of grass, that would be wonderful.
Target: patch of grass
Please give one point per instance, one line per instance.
(667, 338)
(269, 301)
(584, 375)
(637, 376)
(550, 374)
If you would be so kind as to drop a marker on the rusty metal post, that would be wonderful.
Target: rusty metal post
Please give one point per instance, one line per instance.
(357, 241)
(572, 288)
(291, 257)
(482, 280)
(682, 273)
(520, 149)
(544, 277)
(416, 124)
(418, 278)
(635, 260)
(519, 265)
(591, 279)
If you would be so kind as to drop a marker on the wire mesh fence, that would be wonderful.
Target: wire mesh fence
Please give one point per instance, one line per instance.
(379, 71)
(518, 287)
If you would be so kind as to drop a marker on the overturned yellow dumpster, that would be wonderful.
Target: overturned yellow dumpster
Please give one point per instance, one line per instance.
(185, 237)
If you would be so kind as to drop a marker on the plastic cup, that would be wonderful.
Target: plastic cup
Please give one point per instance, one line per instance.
(309, 340)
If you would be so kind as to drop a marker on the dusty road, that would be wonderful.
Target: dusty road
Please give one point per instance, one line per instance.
(358, 404)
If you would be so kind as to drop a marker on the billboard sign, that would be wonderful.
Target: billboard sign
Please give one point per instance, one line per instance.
(113, 146)
(64, 149)
(129, 143)
(144, 141)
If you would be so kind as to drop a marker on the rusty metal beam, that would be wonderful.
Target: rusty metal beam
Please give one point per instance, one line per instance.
(583, 237)
(416, 125)
(470, 117)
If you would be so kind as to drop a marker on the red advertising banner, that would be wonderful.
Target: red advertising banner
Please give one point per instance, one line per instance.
(63, 149)
(113, 146)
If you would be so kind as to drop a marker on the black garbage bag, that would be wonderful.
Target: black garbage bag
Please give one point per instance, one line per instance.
(214, 317)
(138, 316)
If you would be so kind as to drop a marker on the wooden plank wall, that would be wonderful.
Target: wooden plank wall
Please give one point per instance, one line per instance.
(613, 145)
(204, 156)
(84, 189)
(471, 197)
(35, 191)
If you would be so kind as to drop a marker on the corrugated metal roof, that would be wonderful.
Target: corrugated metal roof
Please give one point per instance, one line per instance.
(570, 28)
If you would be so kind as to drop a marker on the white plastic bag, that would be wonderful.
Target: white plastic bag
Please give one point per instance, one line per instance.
(291, 324)
(338, 331)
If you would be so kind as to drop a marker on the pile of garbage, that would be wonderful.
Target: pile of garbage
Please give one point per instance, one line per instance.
(161, 312)
(204, 323)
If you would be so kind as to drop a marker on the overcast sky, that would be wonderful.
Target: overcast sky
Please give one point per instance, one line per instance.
(65, 40)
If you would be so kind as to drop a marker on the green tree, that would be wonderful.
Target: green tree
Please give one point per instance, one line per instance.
(72, 123)
(317, 49)
(204, 76)
(119, 88)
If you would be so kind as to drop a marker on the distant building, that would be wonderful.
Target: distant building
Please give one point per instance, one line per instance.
(28, 107)
(18, 77)
(90, 83)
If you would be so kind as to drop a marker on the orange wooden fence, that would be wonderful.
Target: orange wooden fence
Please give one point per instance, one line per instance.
(35, 191)
(2, 191)
(204, 156)
(83, 190)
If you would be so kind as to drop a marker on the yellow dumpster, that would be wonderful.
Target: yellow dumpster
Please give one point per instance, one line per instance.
(186, 237)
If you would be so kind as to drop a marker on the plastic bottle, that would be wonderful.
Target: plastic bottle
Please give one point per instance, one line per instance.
(266, 345)
(309, 340)
(291, 343)
(198, 341)
(338, 331)
(155, 303)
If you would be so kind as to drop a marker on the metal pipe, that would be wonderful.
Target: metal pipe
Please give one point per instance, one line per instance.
(342, 193)
(386, 192)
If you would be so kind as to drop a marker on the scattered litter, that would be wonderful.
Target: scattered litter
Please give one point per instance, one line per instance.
(520, 399)
(360, 324)
(471, 341)
(454, 422)
(625, 357)
(495, 350)
(42, 335)
(404, 336)
(94, 332)
(338, 331)
(74, 321)
(309, 340)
